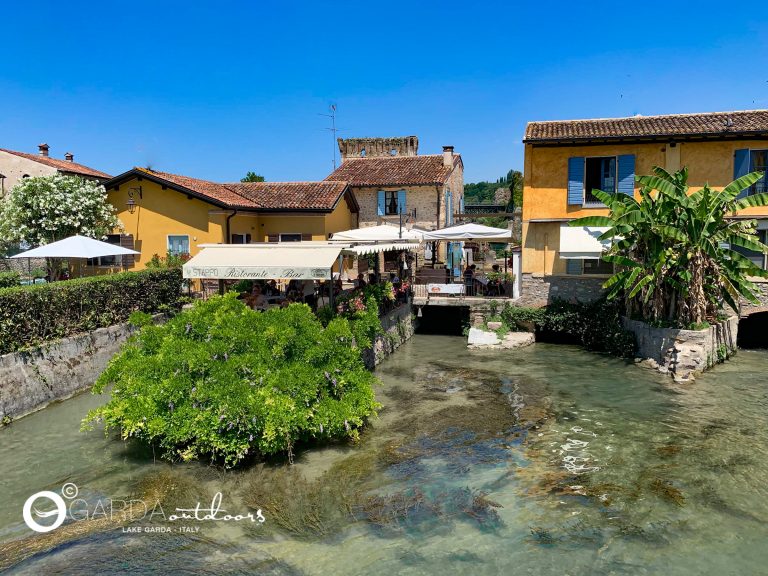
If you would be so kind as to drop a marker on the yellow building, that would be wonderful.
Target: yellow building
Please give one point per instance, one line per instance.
(164, 212)
(566, 160)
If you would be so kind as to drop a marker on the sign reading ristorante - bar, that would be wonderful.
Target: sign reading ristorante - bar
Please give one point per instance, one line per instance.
(256, 272)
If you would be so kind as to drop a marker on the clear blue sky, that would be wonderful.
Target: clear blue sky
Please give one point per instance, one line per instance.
(214, 91)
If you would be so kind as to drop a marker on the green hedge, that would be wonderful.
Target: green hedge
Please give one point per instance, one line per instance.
(9, 279)
(32, 315)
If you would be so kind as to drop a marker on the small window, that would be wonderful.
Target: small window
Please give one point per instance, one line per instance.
(241, 238)
(758, 160)
(290, 237)
(600, 174)
(391, 206)
(362, 153)
(25, 175)
(178, 245)
(393, 152)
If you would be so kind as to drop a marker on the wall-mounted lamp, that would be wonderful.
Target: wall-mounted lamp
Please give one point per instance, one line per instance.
(132, 198)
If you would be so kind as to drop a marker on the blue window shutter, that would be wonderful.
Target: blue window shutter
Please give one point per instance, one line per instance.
(576, 181)
(381, 203)
(401, 201)
(627, 174)
(461, 205)
(741, 167)
(573, 266)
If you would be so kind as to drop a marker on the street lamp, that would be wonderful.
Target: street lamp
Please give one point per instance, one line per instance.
(132, 200)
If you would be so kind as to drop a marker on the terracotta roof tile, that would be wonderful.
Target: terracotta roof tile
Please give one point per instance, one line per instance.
(291, 195)
(259, 195)
(394, 171)
(744, 122)
(61, 165)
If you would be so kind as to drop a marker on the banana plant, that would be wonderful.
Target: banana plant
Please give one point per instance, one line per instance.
(673, 250)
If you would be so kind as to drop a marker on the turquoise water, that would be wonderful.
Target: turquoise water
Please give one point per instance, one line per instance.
(543, 460)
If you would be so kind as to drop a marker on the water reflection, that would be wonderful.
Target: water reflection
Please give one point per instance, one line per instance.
(545, 460)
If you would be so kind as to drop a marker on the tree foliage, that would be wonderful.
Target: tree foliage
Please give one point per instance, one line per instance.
(252, 177)
(485, 192)
(674, 251)
(226, 382)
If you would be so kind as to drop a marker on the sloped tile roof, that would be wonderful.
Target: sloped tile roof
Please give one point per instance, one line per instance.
(743, 122)
(394, 171)
(291, 195)
(61, 165)
(251, 195)
(219, 193)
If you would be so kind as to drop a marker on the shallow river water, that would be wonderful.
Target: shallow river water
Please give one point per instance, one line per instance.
(545, 460)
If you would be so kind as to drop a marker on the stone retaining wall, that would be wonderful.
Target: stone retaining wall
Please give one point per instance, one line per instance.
(684, 353)
(538, 290)
(399, 325)
(31, 380)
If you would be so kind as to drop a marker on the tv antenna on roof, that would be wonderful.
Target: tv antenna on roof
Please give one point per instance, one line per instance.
(333, 130)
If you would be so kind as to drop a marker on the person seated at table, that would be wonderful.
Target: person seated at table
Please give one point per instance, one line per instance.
(372, 278)
(360, 283)
(293, 286)
(271, 289)
(256, 299)
(394, 278)
(338, 287)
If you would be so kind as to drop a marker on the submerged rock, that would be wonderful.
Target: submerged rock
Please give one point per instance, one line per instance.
(482, 339)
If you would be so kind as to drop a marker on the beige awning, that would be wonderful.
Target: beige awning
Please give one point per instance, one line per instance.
(295, 260)
(362, 249)
(581, 243)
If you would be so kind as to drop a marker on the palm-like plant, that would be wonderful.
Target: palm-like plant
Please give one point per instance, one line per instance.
(673, 251)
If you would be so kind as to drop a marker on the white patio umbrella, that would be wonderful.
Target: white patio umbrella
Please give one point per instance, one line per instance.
(470, 231)
(382, 233)
(76, 247)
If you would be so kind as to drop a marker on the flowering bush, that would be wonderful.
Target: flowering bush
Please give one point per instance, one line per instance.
(225, 382)
(44, 209)
(170, 260)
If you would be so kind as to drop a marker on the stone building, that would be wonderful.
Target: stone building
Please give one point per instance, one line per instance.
(392, 181)
(17, 165)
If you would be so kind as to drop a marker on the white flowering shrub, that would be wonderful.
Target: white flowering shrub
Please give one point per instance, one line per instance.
(44, 209)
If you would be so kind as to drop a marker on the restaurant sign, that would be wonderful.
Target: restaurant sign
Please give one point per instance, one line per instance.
(256, 272)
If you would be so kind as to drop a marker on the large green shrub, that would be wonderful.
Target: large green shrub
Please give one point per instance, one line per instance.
(9, 279)
(226, 382)
(596, 326)
(32, 315)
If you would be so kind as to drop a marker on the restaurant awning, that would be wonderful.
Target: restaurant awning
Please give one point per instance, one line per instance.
(470, 231)
(581, 243)
(383, 232)
(291, 260)
(362, 249)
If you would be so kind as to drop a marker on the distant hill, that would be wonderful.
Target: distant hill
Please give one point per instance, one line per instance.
(485, 192)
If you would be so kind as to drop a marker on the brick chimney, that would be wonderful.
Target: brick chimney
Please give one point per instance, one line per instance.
(69, 157)
(448, 156)
(43, 150)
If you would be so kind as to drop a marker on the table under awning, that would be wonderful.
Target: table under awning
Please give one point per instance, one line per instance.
(581, 242)
(294, 261)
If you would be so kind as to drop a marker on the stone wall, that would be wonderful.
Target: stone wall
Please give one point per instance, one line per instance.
(399, 325)
(684, 353)
(33, 379)
(748, 308)
(538, 290)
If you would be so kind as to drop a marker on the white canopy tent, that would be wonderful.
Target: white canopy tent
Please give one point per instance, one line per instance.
(76, 247)
(470, 231)
(382, 233)
(581, 243)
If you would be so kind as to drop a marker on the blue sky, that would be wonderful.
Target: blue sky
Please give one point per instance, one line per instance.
(214, 90)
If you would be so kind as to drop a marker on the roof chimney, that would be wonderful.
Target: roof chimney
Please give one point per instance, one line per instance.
(448, 156)
(43, 150)
(69, 157)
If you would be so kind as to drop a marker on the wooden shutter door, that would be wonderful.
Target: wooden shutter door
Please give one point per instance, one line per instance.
(576, 181)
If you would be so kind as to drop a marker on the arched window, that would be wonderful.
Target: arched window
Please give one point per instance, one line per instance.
(362, 153)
